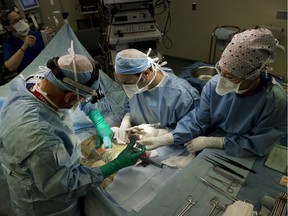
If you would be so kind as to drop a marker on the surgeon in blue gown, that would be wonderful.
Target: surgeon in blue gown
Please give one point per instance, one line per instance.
(154, 94)
(39, 151)
(243, 101)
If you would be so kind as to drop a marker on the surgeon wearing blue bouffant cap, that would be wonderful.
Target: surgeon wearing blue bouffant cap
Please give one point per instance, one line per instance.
(156, 98)
(39, 151)
(243, 102)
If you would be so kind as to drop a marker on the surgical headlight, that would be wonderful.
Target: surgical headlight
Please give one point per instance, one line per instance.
(90, 89)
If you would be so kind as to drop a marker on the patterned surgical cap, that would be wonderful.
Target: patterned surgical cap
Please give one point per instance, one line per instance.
(247, 52)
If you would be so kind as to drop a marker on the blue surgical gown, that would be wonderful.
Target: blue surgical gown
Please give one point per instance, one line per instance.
(166, 103)
(40, 156)
(252, 123)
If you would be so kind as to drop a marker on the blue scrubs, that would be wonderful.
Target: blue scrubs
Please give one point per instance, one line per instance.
(13, 44)
(253, 123)
(166, 103)
(40, 156)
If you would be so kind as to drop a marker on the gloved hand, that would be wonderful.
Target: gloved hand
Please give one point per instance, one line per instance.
(128, 157)
(120, 136)
(202, 142)
(155, 142)
(147, 130)
(239, 208)
(123, 134)
(103, 131)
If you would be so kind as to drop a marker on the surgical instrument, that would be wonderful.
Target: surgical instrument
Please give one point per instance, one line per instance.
(216, 188)
(188, 206)
(228, 176)
(137, 147)
(280, 205)
(216, 163)
(228, 185)
(233, 162)
(155, 125)
(147, 160)
(214, 201)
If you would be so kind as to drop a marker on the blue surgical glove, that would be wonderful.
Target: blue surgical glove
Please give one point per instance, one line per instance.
(103, 131)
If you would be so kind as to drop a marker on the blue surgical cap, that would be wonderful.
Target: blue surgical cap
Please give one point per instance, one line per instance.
(131, 61)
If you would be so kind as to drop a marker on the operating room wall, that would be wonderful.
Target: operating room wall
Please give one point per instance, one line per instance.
(191, 30)
(48, 11)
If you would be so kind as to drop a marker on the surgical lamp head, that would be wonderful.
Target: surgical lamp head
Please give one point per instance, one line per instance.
(75, 73)
(248, 53)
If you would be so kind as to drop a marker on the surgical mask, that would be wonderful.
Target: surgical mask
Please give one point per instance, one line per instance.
(133, 89)
(22, 28)
(225, 86)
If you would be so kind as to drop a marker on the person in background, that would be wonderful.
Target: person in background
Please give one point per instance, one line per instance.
(21, 46)
(243, 101)
(39, 151)
(155, 95)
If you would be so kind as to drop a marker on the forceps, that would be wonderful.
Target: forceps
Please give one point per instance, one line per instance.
(228, 185)
(188, 206)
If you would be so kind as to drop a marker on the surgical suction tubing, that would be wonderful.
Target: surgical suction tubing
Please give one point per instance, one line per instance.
(216, 188)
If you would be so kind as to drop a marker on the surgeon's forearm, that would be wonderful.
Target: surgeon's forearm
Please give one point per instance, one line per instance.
(14, 62)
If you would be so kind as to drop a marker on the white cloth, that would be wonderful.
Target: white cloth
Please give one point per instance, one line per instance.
(239, 208)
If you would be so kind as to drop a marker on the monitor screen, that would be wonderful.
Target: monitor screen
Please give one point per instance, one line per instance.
(28, 4)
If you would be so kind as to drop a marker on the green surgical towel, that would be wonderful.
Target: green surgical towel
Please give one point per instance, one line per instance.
(277, 159)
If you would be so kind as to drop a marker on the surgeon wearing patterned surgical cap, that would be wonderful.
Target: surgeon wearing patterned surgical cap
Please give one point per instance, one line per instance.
(39, 151)
(243, 101)
(154, 95)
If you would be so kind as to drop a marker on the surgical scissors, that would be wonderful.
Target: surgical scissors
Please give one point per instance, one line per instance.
(228, 185)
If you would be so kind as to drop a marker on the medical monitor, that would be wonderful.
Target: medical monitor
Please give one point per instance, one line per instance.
(28, 4)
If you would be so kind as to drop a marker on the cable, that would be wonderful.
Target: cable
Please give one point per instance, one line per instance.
(166, 7)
